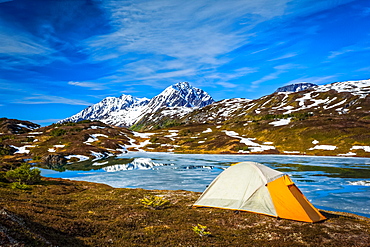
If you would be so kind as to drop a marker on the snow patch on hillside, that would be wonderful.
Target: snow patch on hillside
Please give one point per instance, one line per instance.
(208, 130)
(348, 154)
(22, 150)
(253, 146)
(94, 138)
(361, 88)
(143, 135)
(281, 122)
(35, 133)
(365, 148)
(324, 147)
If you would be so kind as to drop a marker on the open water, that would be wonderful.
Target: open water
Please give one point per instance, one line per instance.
(330, 183)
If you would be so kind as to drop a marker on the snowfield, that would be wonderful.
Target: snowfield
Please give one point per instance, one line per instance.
(23, 150)
(365, 148)
(253, 146)
(281, 122)
(324, 147)
(94, 138)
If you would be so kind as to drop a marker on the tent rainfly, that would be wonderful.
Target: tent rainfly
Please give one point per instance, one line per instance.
(253, 187)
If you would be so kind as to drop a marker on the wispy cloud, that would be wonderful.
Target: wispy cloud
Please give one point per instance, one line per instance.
(315, 80)
(19, 48)
(261, 50)
(90, 85)
(52, 120)
(223, 79)
(280, 69)
(24, 44)
(335, 54)
(209, 31)
(288, 55)
(348, 50)
(129, 90)
(171, 74)
(227, 84)
(48, 99)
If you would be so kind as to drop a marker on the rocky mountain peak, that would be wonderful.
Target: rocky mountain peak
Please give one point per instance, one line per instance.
(295, 87)
(126, 110)
(181, 94)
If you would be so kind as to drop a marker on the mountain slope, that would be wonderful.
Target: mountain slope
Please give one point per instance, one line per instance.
(120, 111)
(326, 120)
(331, 119)
(332, 99)
(128, 110)
(14, 126)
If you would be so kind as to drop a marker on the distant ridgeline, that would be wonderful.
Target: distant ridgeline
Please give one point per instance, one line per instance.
(331, 119)
(295, 87)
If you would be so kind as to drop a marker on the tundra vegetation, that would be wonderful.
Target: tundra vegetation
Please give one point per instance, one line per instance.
(58, 212)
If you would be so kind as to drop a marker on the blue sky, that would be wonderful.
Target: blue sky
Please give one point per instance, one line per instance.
(58, 57)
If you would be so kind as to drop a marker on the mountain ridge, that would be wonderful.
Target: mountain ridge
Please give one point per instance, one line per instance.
(295, 87)
(330, 119)
(126, 110)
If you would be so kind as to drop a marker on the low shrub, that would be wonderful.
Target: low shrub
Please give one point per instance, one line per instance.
(155, 202)
(6, 150)
(201, 230)
(24, 175)
(58, 132)
(20, 186)
(84, 121)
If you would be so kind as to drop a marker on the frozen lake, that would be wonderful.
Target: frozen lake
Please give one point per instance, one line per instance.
(331, 183)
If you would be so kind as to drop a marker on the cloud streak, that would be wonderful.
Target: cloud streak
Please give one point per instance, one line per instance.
(48, 99)
(208, 32)
(90, 85)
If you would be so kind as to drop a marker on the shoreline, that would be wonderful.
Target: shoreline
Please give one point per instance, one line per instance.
(251, 154)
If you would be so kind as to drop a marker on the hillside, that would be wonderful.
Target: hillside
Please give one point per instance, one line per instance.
(58, 145)
(15, 126)
(325, 120)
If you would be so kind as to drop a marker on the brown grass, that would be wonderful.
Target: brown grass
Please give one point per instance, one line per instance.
(65, 213)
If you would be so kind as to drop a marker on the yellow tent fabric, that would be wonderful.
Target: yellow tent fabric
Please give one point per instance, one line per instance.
(290, 203)
(253, 187)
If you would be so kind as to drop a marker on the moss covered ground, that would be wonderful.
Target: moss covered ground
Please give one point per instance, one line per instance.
(69, 213)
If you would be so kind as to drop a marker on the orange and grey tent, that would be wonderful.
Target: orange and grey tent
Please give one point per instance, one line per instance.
(253, 187)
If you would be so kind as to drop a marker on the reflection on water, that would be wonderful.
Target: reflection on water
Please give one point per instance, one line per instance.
(334, 183)
(136, 164)
(149, 164)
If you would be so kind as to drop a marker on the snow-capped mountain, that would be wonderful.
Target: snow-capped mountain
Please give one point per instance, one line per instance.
(359, 88)
(112, 110)
(340, 98)
(295, 87)
(127, 110)
(180, 95)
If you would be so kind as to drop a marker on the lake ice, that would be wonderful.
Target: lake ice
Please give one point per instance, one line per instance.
(331, 183)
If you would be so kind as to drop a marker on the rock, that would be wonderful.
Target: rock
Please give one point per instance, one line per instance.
(54, 159)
